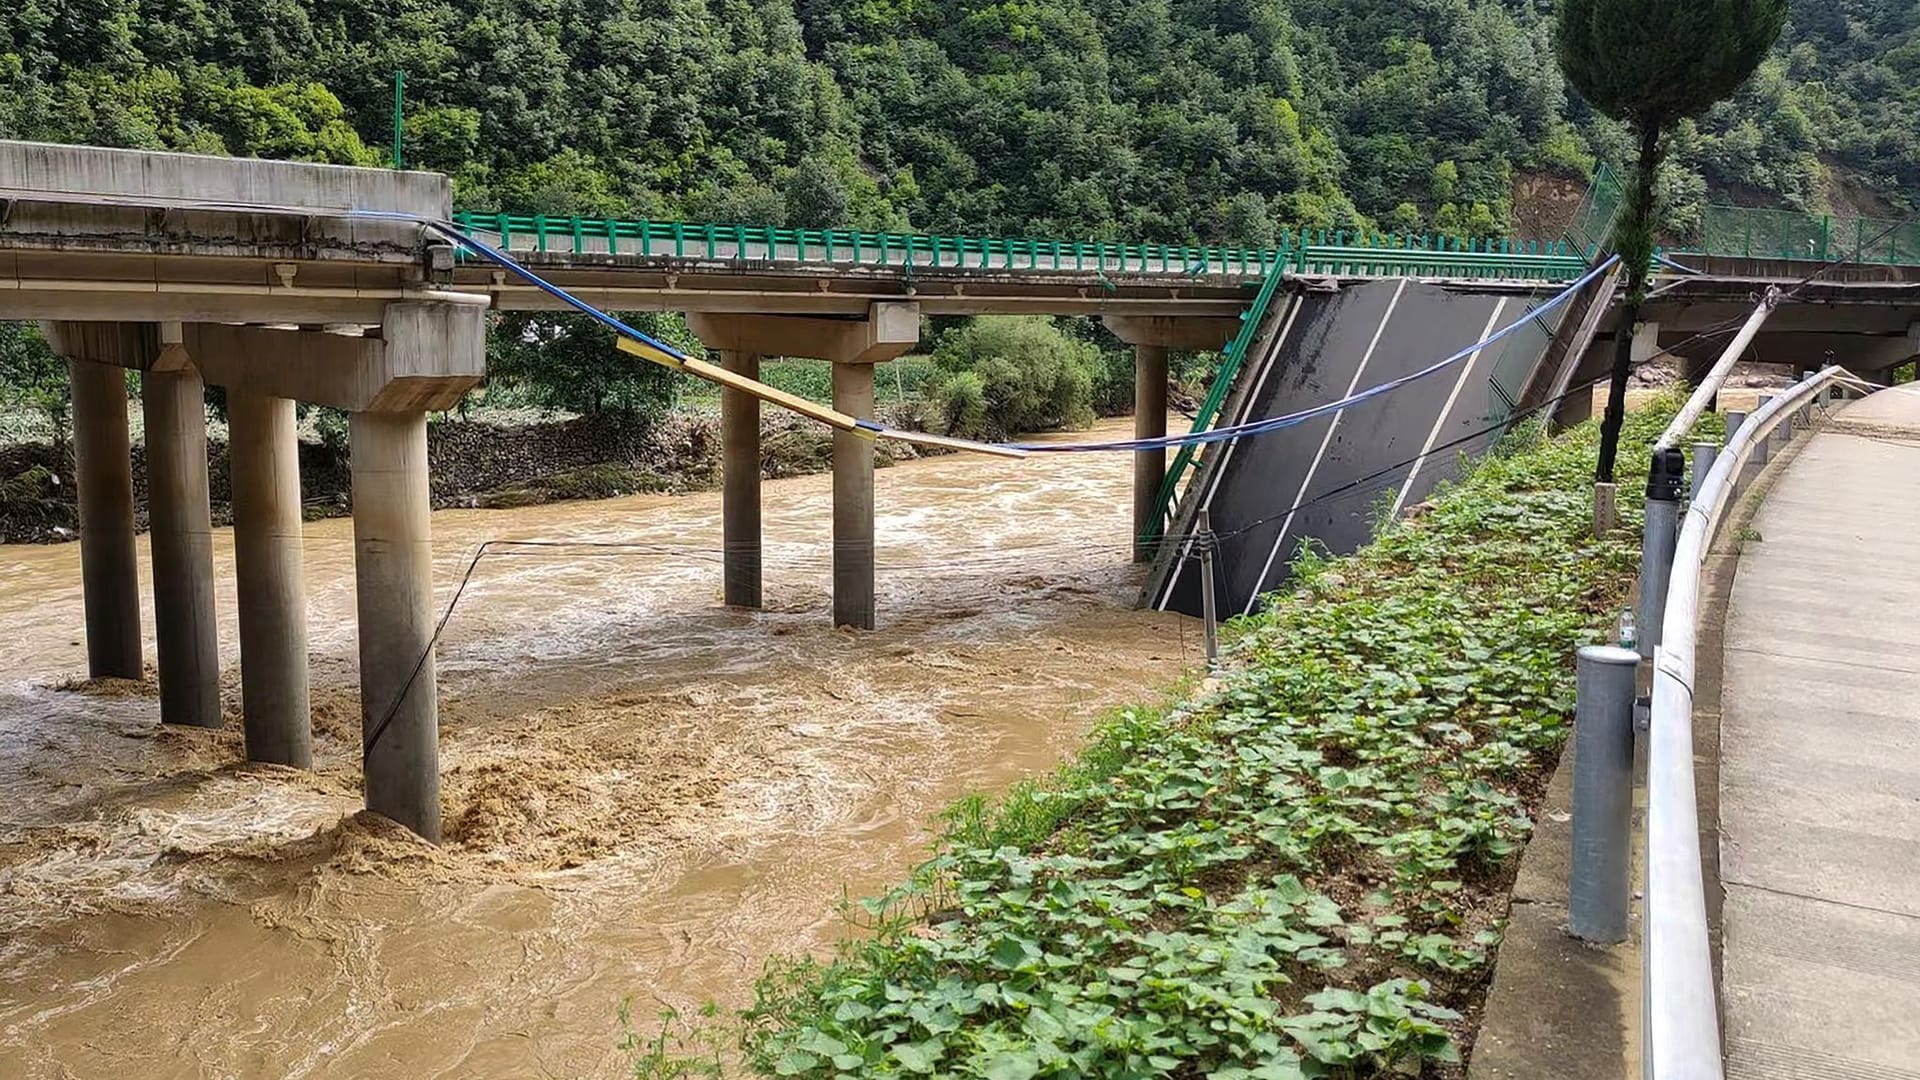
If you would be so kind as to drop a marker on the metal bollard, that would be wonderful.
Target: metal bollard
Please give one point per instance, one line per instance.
(1665, 480)
(1599, 884)
(1703, 455)
(1762, 448)
(1735, 420)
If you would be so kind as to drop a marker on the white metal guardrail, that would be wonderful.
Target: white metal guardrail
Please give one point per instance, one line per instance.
(1681, 1034)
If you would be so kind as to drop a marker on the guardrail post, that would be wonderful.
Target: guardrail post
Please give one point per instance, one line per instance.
(1735, 420)
(1703, 455)
(1599, 884)
(1762, 448)
(1664, 482)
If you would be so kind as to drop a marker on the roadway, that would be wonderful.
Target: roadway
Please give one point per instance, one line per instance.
(1820, 760)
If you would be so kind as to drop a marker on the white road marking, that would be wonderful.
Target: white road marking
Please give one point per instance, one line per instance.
(1325, 441)
(1447, 410)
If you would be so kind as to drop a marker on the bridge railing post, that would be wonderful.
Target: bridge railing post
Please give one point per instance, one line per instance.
(1599, 881)
(1704, 454)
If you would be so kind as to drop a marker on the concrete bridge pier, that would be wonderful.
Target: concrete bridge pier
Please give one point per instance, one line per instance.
(264, 461)
(393, 593)
(853, 572)
(853, 346)
(1151, 337)
(425, 355)
(180, 528)
(103, 472)
(740, 480)
(173, 403)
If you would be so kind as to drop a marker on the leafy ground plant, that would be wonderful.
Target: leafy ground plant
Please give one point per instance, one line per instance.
(1300, 869)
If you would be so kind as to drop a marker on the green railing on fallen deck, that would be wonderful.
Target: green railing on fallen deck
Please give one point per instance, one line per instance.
(1231, 362)
(1307, 252)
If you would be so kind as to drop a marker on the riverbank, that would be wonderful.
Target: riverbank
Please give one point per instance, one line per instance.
(489, 463)
(1300, 870)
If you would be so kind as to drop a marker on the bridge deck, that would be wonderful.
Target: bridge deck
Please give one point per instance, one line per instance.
(1820, 761)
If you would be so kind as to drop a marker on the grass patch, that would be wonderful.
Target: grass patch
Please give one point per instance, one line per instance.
(1298, 869)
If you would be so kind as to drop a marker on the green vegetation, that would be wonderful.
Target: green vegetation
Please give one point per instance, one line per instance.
(33, 381)
(1651, 65)
(1004, 376)
(1173, 121)
(1299, 870)
(1170, 120)
(898, 383)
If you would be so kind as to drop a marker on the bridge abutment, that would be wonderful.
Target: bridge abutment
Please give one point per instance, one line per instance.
(269, 574)
(103, 473)
(740, 479)
(1152, 337)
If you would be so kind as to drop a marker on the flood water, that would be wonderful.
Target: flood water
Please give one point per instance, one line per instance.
(646, 795)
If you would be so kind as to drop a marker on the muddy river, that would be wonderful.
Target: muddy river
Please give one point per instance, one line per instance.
(646, 795)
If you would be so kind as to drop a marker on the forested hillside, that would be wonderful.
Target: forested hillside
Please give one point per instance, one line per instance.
(1169, 120)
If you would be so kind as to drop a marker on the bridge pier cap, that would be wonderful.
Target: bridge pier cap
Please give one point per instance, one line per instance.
(890, 330)
(428, 354)
(1186, 333)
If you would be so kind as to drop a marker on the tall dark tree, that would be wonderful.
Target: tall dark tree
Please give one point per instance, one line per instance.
(1652, 63)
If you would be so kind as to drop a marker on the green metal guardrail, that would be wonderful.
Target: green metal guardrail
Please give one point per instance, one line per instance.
(1307, 252)
(1757, 233)
(1230, 363)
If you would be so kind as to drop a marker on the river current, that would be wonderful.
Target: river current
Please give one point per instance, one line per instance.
(646, 795)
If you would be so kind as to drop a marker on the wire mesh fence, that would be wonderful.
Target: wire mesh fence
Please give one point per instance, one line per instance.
(1755, 233)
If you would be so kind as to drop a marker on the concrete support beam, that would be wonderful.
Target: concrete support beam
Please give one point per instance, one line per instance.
(393, 579)
(186, 635)
(1859, 352)
(740, 477)
(103, 468)
(428, 354)
(1149, 422)
(1183, 333)
(853, 501)
(265, 463)
(888, 331)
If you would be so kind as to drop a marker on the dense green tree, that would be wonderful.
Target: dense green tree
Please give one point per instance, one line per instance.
(1650, 63)
(569, 362)
(1004, 375)
(33, 379)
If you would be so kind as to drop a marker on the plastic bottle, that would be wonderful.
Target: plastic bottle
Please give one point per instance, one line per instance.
(1629, 629)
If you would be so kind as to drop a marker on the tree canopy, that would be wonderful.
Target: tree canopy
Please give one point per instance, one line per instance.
(1167, 120)
(1651, 62)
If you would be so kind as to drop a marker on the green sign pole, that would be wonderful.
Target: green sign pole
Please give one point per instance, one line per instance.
(399, 111)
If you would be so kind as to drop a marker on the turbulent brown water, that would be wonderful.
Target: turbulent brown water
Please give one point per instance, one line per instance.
(646, 795)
